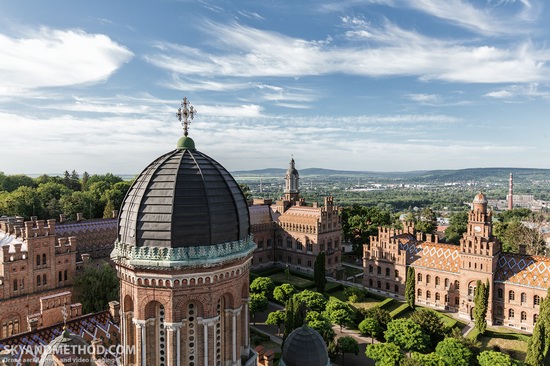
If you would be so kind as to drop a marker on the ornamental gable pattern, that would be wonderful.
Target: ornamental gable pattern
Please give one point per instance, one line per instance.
(525, 270)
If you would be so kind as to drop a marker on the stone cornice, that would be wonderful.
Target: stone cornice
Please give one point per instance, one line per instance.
(199, 256)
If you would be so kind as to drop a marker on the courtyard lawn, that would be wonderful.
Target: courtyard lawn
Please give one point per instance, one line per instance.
(514, 344)
(298, 282)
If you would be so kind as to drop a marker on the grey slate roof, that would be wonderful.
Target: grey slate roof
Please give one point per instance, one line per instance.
(183, 199)
(304, 346)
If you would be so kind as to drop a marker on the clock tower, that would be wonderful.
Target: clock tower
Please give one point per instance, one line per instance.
(479, 253)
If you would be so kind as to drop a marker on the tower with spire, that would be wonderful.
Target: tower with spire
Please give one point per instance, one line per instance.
(292, 189)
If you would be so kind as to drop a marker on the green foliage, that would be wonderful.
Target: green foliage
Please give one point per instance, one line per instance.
(339, 312)
(385, 354)
(538, 344)
(283, 292)
(354, 294)
(94, 287)
(317, 321)
(410, 287)
(262, 285)
(382, 316)
(370, 327)
(406, 334)
(427, 221)
(431, 325)
(258, 304)
(10, 183)
(430, 359)
(347, 344)
(277, 318)
(359, 222)
(457, 226)
(454, 352)
(493, 358)
(314, 301)
(289, 318)
(319, 272)
(481, 301)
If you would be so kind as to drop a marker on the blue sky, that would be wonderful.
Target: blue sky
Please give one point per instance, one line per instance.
(380, 85)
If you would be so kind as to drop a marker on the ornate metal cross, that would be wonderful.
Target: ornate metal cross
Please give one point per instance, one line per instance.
(185, 115)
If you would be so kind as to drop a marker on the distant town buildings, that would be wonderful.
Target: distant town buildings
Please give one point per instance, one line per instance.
(291, 233)
(446, 275)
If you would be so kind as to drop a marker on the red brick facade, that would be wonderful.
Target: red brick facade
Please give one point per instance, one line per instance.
(446, 275)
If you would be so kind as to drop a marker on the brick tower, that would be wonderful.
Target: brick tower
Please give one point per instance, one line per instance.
(183, 255)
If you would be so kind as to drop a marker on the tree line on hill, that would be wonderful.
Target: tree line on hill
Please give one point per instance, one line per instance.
(46, 197)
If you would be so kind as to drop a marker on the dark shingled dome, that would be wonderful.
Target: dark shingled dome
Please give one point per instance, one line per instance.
(305, 347)
(183, 199)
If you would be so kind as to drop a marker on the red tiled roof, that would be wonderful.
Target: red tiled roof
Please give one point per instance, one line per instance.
(524, 270)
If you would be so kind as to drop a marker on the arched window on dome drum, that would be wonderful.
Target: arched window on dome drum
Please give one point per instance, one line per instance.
(523, 297)
(511, 296)
(536, 300)
(523, 316)
(192, 335)
(511, 313)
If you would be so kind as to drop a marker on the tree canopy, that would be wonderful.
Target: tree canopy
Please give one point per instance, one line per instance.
(407, 335)
(262, 285)
(283, 292)
(94, 287)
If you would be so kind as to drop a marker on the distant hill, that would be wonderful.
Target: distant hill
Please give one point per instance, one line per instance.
(460, 175)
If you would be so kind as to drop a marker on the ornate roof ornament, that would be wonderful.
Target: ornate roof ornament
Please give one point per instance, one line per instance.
(185, 115)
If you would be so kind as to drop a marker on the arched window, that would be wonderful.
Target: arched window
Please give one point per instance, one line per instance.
(44, 279)
(536, 300)
(370, 268)
(523, 316)
(457, 285)
(65, 276)
(43, 259)
(511, 296)
(500, 293)
(378, 270)
(396, 289)
(446, 283)
(428, 295)
(437, 296)
(14, 285)
(387, 286)
(38, 280)
(511, 313)
(38, 259)
(419, 293)
(370, 282)
(523, 297)
(419, 277)
(60, 276)
(437, 280)
(446, 298)
(387, 272)
(288, 243)
(428, 279)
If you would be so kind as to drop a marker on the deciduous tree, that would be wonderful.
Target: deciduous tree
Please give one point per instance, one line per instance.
(339, 312)
(283, 292)
(277, 318)
(371, 327)
(385, 354)
(431, 325)
(95, 287)
(406, 334)
(262, 285)
(258, 304)
(347, 344)
(454, 352)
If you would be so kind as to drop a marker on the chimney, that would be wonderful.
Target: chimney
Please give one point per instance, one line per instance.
(115, 214)
(97, 348)
(79, 216)
(522, 248)
(34, 218)
(61, 218)
(33, 324)
(114, 310)
(511, 193)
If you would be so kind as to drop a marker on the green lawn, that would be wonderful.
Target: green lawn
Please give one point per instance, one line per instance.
(298, 282)
(514, 344)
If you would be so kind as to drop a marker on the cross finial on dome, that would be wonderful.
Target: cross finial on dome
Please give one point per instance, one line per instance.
(185, 115)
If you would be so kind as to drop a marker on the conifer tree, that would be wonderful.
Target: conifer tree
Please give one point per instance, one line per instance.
(319, 273)
(481, 302)
(410, 290)
(289, 317)
(541, 334)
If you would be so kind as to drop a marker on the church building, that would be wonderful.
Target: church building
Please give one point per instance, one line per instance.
(292, 233)
(446, 275)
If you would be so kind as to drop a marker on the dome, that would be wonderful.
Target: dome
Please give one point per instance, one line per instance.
(292, 169)
(183, 199)
(68, 348)
(480, 198)
(304, 347)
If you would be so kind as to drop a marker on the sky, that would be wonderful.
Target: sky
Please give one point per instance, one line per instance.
(372, 85)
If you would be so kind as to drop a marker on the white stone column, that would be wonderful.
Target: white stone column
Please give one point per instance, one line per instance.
(207, 323)
(141, 326)
(234, 313)
(246, 325)
(170, 329)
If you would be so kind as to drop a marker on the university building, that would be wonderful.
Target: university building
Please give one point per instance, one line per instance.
(291, 233)
(446, 275)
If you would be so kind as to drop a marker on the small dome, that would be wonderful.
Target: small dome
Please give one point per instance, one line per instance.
(480, 198)
(183, 199)
(68, 348)
(292, 168)
(304, 347)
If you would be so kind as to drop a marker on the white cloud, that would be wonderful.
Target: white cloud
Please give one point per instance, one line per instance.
(499, 94)
(51, 58)
(425, 98)
(250, 52)
(530, 90)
